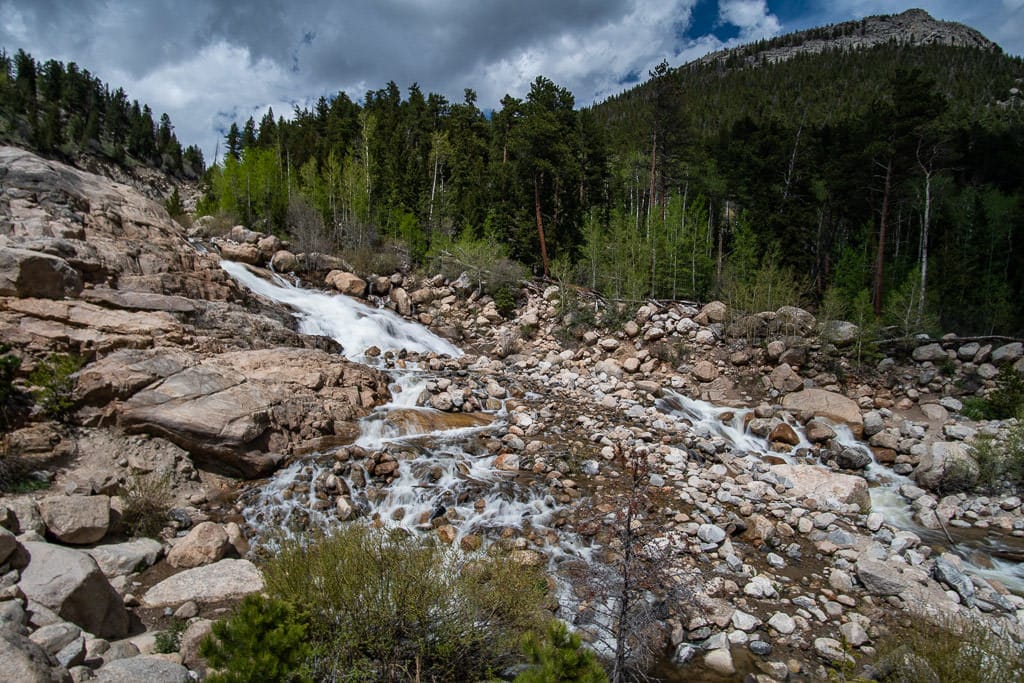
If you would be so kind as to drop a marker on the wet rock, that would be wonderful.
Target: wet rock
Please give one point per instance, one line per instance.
(945, 572)
(720, 661)
(853, 459)
(346, 283)
(818, 431)
(783, 433)
(70, 583)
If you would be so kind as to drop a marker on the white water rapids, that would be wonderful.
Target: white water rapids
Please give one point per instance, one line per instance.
(884, 483)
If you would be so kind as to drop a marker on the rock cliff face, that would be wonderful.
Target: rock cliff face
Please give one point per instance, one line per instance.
(92, 267)
(913, 27)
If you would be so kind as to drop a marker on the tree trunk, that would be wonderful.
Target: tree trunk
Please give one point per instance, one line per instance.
(882, 226)
(540, 225)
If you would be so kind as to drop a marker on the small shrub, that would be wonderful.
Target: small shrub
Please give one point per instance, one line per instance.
(1005, 401)
(505, 301)
(54, 384)
(9, 365)
(147, 499)
(1000, 459)
(615, 315)
(559, 656)
(264, 641)
(168, 641)
(16, 472)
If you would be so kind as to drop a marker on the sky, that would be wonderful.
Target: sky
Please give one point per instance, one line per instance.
(210, 62)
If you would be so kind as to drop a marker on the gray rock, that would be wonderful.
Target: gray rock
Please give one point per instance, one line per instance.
(1008, 353)
(853, 459)
(8, 543)
(880, 578)
(709, 533)
(70, 583)
(841, 333)
(224, 580)
(72, 654)
(946, 573)
(54, 637)
(783, 623)
(118, 559)
(77, 520)
(25, 273)
(930, 352)
(142, 668)
(831, 650)
(22, 661)
(854, 633)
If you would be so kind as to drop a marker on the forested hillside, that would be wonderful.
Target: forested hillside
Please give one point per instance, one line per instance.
(880, 184)
(61, 110)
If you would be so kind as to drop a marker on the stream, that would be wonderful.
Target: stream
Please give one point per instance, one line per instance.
(442, 468)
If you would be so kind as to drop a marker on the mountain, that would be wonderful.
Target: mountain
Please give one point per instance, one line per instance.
(914, 28)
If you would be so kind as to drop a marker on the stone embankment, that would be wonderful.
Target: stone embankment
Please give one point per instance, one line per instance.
(190, 377)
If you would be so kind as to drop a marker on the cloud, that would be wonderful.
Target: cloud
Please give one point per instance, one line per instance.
(751, 17)
(206, 62)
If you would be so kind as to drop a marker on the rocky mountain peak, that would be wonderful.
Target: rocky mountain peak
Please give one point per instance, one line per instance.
(914, 27)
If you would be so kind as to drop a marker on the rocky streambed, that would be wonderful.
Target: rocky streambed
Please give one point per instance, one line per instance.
(790, 498)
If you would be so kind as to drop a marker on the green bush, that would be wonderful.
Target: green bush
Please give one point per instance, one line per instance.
(485, 261)
(265, 641)
(390, 606)
(505, 301)
(168, 641)
(1000, 460)
(1005, 401)
(53, 384)
(9, 365)
(559, 656)
(147, 500)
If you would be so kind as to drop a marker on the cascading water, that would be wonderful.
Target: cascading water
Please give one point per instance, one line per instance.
(886, 498)
(438, 470)
(352, 324)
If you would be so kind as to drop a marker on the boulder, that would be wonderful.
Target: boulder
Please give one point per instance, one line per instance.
(119, 559)
(126, 371)
(793, 321)
(827, 404)
(930, 352)
(224, 580)
(712, 312)
(705, 371)
(828, 489)
(239, 409)
(148, 668)
(840, 333)
(207, 542)
(77, 520)
(243, 253)
(25, 273)
(944, 461)
(8, 544)
(23, 661)
(784, 378)
(284, 262)
(70, 583)
(346, 283)
(881, 578)
(1008, 353)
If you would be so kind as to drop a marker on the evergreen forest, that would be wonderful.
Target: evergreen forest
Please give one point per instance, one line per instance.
(883, 186)
(62, 111)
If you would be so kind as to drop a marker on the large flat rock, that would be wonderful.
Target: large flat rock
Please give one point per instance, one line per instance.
(224, 580)
(828, 489)
(827, 404)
